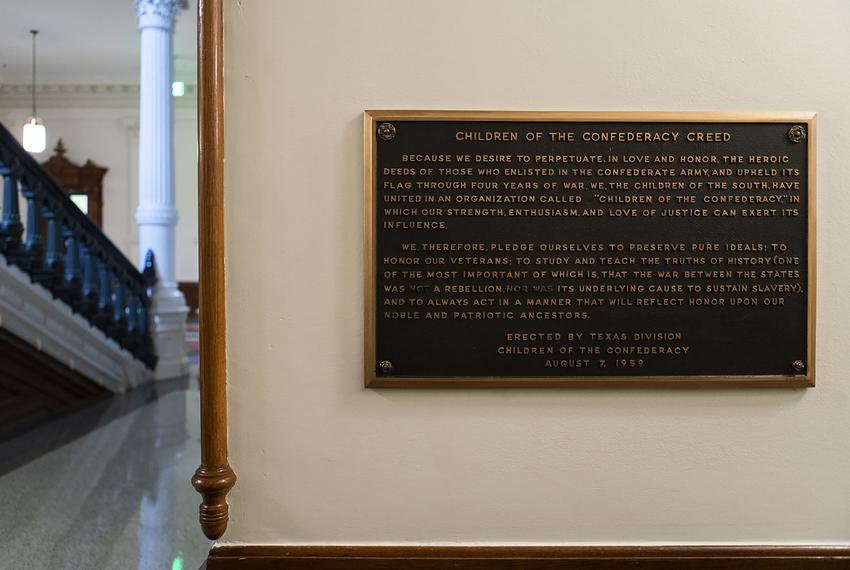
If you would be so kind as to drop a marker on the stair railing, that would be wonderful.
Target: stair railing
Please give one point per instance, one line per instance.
(62, 250)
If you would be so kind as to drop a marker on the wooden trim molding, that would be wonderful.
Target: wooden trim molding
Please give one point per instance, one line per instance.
(256, 557)
(214, 478)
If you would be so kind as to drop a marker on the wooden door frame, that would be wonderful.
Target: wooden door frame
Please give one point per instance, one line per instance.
(214, 477)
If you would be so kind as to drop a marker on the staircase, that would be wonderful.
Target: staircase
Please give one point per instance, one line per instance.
(74, 312)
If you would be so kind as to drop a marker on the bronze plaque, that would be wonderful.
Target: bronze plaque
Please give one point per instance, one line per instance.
(585, 249)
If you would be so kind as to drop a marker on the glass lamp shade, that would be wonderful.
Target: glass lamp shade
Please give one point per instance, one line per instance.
(35, 136)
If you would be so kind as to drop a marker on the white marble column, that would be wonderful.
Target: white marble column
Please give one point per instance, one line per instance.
(157, 213)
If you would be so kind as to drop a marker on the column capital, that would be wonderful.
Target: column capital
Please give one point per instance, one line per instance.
(159, 13)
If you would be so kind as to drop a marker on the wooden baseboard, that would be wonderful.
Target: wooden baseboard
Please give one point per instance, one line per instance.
(256, 557)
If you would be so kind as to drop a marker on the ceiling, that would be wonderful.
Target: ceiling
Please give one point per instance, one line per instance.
(84, 42)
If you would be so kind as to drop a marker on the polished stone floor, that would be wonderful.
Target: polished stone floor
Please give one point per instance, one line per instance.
(117, 496)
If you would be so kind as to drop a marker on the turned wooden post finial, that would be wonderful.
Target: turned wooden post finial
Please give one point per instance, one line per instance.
(213, 483)
(60, 148)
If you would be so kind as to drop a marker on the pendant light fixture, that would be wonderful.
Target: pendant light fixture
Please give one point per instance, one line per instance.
(35, 135)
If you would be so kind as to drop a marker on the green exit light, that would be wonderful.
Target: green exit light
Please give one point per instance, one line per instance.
(178, 89)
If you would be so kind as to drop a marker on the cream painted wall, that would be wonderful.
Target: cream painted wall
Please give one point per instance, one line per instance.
(107, 133)
(322, 460)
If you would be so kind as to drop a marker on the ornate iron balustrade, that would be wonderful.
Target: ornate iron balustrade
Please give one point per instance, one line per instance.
(67, 254)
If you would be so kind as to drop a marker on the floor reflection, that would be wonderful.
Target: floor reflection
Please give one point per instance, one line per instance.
(117, 497)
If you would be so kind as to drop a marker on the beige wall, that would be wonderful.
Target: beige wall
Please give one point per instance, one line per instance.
(322, 460)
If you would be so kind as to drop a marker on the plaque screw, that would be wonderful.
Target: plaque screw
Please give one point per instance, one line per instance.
(798, 365)
(386, 131)
(386, 366)
(796, 134)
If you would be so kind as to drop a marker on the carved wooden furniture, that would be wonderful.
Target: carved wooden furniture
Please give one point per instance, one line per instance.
(75, 179)
(190, 291)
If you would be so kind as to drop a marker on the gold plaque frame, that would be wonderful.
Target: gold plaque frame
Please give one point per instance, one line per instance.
(372, 380)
